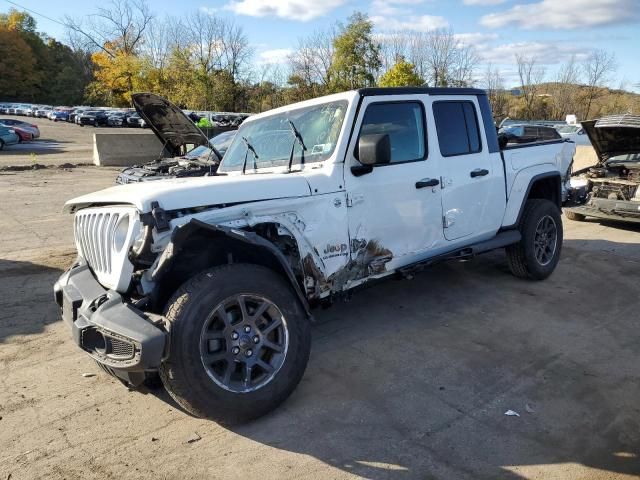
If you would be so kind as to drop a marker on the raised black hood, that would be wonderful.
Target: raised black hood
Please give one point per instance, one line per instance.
(614, 135)
(168, 122)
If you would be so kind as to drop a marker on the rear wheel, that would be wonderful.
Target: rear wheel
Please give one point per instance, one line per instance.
(538, 252)
(576, 217)
(240, 343)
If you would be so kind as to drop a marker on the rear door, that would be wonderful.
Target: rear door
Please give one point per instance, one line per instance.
(473, 198)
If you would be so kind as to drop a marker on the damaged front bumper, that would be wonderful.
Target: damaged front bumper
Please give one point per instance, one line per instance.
(120, 337)
(609, 209)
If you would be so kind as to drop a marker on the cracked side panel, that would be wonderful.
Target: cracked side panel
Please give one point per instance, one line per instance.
(368, 258)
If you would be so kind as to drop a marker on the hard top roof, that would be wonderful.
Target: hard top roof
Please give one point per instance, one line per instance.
(374, 91)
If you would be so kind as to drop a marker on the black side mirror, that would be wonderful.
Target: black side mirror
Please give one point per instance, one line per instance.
(373, 149)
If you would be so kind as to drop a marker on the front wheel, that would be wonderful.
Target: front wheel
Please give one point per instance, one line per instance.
(538, 252)
(576, 217)
(240, 343)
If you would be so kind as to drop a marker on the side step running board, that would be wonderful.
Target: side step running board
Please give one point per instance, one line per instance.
(502, 239)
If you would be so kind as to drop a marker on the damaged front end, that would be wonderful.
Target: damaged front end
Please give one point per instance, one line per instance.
(611, 188)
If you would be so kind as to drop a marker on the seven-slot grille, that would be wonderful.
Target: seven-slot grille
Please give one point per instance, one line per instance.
(94, 237)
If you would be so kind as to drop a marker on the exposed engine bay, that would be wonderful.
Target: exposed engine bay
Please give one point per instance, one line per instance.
(168, 168)
(614, 182)
(611, 188)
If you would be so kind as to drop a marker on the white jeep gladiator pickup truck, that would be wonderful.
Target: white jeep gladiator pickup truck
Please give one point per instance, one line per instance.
(210, 282)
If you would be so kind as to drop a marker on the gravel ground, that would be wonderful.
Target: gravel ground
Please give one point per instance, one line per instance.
(411, 379)
(59, 143)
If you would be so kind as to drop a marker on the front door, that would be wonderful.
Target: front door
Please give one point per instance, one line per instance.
(472, 178)
(395, 210)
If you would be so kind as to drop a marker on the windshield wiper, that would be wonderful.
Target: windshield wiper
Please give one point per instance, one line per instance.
(297, 138)
(255, 155)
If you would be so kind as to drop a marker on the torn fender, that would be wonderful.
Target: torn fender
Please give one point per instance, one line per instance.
(253, 240)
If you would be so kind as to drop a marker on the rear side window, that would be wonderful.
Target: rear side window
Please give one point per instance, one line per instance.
(403, 122)
(457, 127)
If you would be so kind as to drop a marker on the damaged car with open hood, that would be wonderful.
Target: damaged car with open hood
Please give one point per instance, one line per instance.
(186, 151)
(210, 283)
(610, 189)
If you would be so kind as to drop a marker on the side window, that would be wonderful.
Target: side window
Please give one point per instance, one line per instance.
(457, 127)
(403, 122)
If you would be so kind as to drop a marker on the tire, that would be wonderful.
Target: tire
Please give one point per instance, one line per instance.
(537, 254)
(1, 145)
(205, 389)
(576, 217)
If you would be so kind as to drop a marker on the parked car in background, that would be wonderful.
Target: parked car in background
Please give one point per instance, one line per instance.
(611, 189)
(92, 117)
(187, 153)
(23, 135)
(23, 109)
(198, 162)
(575, 133)
(74, 113)
(60, 115)
(29, 127)
(118, 119)
(8, 136)
(134, 120)
(43, 112)
(517, 134)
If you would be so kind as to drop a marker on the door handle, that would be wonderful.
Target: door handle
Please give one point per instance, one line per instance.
(427, 182)
(479, 172)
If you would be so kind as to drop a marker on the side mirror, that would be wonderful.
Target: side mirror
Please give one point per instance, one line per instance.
(373, 149)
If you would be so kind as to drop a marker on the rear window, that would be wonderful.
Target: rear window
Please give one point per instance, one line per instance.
(457, 127)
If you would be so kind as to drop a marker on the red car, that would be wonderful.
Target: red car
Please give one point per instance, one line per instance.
(24, 135)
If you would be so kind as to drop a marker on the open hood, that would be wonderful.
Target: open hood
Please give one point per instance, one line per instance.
(614, 135)
(181, 193)
(168, 122)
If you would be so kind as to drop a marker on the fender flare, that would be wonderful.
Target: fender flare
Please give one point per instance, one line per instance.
(181, 234)
(532, 181)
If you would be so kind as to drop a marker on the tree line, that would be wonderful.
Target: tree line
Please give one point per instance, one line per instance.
(204, 62)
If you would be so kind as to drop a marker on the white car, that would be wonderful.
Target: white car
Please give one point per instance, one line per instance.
(211, 281)
(575, 133)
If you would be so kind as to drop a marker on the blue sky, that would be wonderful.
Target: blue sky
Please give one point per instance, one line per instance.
(551, 30)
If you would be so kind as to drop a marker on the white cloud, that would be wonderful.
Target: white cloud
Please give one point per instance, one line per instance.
(274, 56)
(483, 2)
(393, 7)
(209, 10)
(302, 10)
(545, 53)
(420, 23)
(475, 38)
(565, 14)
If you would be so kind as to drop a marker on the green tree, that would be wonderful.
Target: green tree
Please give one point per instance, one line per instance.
(17, 69)
(38, 69)
(402, 74)
(356, 57)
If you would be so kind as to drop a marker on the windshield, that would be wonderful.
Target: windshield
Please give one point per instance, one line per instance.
(272, 137)
(629, 157)
(220, 142)
(568, 129)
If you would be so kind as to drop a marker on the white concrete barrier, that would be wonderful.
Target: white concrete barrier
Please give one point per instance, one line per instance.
(125, 149)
